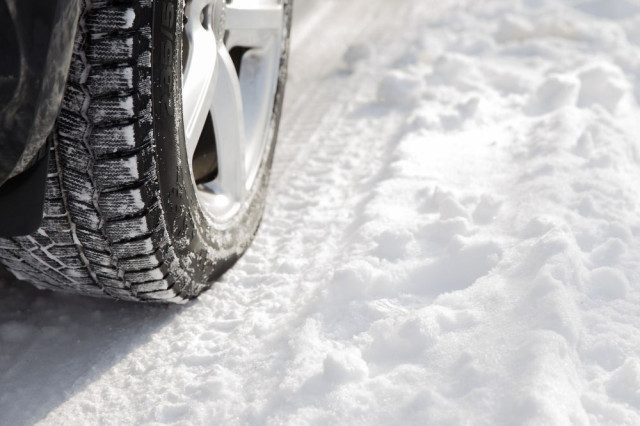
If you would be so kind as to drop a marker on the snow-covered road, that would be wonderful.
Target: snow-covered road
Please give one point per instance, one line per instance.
(451, 238)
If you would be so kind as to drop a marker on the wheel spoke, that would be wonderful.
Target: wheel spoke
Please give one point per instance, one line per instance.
(198, 83)
(228, 122)
(248, 22)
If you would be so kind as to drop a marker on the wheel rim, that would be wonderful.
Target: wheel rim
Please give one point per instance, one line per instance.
(230, 73)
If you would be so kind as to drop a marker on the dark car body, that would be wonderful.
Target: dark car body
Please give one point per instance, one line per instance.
(36, 43)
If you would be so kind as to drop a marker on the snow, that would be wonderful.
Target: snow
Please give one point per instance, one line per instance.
(398, 87)
(450, 238)
(357, 53)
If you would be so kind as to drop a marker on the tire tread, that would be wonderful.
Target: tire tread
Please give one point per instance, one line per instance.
(103, 232)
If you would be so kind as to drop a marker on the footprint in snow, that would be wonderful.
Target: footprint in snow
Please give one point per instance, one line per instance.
(455, 270)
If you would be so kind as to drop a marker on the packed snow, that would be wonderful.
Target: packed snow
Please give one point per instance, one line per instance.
(450, 238)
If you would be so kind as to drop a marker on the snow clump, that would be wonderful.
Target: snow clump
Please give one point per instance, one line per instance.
(399, 87)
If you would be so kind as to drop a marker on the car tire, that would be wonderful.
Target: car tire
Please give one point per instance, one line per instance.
(138, 205)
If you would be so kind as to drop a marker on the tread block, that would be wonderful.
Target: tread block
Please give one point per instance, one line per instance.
(108, 20)
(55, 225)
(83, 216)
(7, 257)
(72, 126)
(123, 229)
(54, 210)
(52, 191)
(112, 283)
(110, 109)
(138, 277)
(76, 68)
(117, 172)
(49, 275)
(35, 242)
(152, 286)
(98, 257)
(145, 114)
(74, 98)
(144, 60)
(44, 261)
(79, 275)
(70, 261)
(164, 295)
(7, 244)
(114, 205)
(52, 167)
(74, 157)
(90, 239)
(105, 271)
(62, 236)
(144, 82)
(102, 81)
(110, 50)
(62, 251)
(143, 246)
(78, 187)
(140, 262)
(109, 140)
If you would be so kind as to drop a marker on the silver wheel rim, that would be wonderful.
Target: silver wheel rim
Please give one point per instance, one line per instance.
(238, 104)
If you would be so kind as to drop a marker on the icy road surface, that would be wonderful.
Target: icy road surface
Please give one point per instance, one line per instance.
(451, 237)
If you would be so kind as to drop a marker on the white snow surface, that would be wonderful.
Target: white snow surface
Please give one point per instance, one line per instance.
(450, 238)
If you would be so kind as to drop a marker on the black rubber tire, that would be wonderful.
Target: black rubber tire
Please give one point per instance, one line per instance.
(121, 216)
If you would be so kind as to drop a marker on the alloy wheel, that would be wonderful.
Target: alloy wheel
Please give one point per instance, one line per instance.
(231, 58)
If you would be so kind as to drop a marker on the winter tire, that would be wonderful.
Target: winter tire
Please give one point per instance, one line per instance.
(160, 157)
